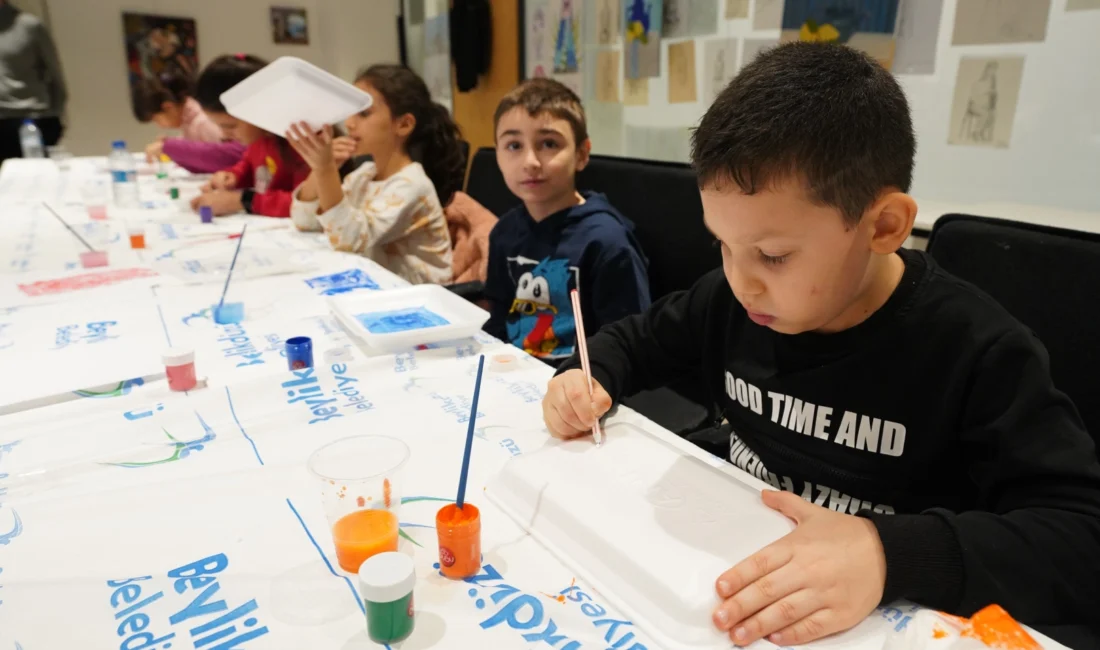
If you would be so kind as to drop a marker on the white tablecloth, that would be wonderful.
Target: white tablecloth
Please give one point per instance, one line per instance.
(134, 517)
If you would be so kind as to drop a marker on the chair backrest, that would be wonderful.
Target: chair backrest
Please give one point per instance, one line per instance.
(1048, 278)
(485, 184)
(662, 199)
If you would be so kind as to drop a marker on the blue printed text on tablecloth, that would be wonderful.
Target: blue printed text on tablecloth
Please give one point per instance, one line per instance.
(88, 333)
(457, 405)
(342, 282)
(400, 320)
(306, 388)
(616, 632)
(239, 344)
(204, 617)
(525, 612)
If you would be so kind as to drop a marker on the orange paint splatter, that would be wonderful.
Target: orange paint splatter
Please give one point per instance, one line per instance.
(386, 492)
(360, 502)
(996, 629)
(558, 597)
(938, 633)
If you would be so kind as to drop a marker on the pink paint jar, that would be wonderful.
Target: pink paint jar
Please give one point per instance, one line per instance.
(93, 259)
(97, 212)
(179, 366)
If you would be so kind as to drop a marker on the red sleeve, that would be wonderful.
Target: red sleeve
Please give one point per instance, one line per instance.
(243, 169)
(273, 203)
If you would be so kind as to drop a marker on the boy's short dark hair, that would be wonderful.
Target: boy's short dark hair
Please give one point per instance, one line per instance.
(220, 75)
(541, 95)
(825, 113)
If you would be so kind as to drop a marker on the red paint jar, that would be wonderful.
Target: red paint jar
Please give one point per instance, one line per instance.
(179, 366)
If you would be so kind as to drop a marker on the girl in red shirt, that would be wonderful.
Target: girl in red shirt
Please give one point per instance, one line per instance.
(262, 182)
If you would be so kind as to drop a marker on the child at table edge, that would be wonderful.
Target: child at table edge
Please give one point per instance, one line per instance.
(390, 208)
(558, 238)
(169, 102)
(261, 182)
(858, 375)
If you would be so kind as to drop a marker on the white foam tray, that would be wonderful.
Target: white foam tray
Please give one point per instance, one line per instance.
(464, 318)
(291, 90)
(647, 524)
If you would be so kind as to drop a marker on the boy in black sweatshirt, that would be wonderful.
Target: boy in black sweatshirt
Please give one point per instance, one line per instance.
(559, 239)
(913, 415)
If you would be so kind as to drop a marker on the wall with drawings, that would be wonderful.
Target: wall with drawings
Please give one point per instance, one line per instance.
(1030, 136)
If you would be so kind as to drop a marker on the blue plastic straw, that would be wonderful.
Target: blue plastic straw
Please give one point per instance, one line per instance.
(470, 436)
(231, 265)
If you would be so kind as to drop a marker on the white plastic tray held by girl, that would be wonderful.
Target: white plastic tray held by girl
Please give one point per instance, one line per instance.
(291, 90)
(652, 528)
(400, 319)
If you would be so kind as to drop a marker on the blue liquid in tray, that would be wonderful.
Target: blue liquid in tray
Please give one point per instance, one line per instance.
(400, 320)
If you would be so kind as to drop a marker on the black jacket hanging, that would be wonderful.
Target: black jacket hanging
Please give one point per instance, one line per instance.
(471, 41)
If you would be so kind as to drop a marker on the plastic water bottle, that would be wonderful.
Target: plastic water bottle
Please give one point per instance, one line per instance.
(123, 176)
(30, 138)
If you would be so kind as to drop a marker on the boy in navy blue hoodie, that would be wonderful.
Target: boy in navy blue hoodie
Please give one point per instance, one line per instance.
(559, 239)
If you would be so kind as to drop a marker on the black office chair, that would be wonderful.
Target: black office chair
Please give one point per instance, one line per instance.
(1048, 278)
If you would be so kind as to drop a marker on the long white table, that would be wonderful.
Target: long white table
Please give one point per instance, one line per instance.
(135, 517)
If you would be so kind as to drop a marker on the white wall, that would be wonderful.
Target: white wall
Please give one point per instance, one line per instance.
(344, 35)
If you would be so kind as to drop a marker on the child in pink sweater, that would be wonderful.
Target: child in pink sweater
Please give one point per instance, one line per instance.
(168, 103)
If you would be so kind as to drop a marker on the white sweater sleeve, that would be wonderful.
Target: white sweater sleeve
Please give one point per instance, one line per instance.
(304, 213)
(373, 214)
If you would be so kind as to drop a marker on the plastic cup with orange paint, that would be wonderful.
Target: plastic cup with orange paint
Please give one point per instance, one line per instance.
(360, 480)
(459, 532)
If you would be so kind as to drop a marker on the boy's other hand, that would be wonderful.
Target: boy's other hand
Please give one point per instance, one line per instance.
(568, 409)
(317, 149)
(823, 577)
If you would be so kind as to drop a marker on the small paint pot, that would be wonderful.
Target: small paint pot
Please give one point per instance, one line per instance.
(338, 355)
(503, 363)
(137, 237)
(174, 193)
(229, 313)
(92, 259)
(386, 582)
(97, 212)
(459, 533)
(206, 213)
(299, 353)
(179, 366)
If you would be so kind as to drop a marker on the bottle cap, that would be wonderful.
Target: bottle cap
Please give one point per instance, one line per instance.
(173, 357)
(28, 120)
(118, 144)
(386, 577)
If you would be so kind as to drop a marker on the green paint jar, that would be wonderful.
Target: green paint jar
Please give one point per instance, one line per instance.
(386, 582)
(174, 193)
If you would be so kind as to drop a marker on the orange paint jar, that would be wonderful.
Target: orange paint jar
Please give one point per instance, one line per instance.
(459, 534)
(363, 534)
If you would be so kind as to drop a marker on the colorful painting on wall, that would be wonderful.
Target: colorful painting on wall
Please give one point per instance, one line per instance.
(290, 25)
(643, 38)
(159, 47)
(867, 25)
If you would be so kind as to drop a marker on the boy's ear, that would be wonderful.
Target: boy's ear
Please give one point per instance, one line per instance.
(167, 107)
(584, 150)
(892, 220)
